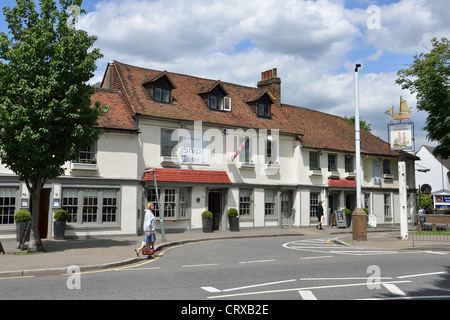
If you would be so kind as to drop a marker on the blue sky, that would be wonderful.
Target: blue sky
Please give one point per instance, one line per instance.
(314, 44)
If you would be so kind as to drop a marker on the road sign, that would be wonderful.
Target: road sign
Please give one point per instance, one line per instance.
(425, 189)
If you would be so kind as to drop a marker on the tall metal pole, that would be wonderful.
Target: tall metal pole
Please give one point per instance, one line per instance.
(359, 217)
(357, 140)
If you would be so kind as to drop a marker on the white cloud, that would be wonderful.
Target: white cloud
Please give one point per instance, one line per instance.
(312, 43)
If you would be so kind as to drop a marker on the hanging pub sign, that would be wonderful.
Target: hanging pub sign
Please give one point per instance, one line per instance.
(401, 136)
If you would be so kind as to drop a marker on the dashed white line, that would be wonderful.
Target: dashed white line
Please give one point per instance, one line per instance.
(259, 261)
(200, 265)
(321, 257)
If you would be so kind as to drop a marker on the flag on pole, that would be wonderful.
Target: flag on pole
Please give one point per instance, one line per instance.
(239, 150)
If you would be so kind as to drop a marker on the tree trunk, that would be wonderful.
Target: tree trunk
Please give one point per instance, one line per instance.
(35, 237)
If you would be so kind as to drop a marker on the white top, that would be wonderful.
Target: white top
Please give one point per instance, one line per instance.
(149, 221)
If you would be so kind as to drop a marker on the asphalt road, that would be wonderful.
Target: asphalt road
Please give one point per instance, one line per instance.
(256, 269)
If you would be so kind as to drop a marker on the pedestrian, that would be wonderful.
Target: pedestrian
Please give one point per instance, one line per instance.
(421, 217)
(149, 227)
(319, 214)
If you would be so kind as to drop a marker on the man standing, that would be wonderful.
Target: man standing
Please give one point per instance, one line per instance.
(319, 215)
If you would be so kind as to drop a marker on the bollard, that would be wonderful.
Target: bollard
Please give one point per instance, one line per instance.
(359, 225)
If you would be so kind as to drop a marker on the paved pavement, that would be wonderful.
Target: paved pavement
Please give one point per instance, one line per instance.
(106, 253)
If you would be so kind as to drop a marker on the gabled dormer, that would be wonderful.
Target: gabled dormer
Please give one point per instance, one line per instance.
(262, 103)
(160, 88)
(217, 97)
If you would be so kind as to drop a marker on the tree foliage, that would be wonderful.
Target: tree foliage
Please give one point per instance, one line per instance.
(362, 124)
(46, 113)
(429, 78)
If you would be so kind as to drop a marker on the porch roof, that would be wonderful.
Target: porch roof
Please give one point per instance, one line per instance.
(342, 183)
(191, 176)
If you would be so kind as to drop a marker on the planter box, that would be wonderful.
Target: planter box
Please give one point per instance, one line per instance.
(59, 228)
(207, 225)
(20, 228)
(234, 223)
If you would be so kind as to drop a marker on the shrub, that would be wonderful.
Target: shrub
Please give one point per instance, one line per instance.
(347, 212)
(61, 215)
(207, 214)
(22, 216)
(232, 212)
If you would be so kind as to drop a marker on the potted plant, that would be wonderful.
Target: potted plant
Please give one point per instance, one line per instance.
(207, 220)
(348, 216)
(21, 218)
(59, 225)
(233, 219)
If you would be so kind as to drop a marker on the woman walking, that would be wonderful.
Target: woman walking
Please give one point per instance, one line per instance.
(149, 227)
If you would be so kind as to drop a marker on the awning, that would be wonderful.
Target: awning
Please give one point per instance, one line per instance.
(190, 176)
(342, 183)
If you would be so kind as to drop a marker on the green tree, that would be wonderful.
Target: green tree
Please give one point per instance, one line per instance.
(362, 124)
(429, 77)
(46, 114)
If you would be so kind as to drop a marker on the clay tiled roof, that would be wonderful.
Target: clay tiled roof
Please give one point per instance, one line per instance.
(318, 130)
(118, 117)
(342, 183)
(188, 104)
(327, 132)
(190, 176)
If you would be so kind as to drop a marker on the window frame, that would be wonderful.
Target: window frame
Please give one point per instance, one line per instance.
(264, 109)
(179, 204)
(270, 203)
(246, 203)
(8, 209)
(332, 162)
(162, 94)
(313, 204)
(314, 160)
(86, 205)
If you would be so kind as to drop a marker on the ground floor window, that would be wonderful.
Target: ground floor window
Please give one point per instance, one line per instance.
(387, 205)
(269, 203)
(173, 200)
(313, 203)
(7, 205)
(91, 205)
(245, 202)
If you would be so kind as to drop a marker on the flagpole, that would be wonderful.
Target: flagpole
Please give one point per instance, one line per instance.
(357, 140)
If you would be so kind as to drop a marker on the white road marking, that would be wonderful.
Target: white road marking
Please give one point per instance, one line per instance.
(394, 289)
(200, 265)
(436, 252)
(307, 295)
(320, 257)
(211, 289)
(299, 289)
(421, 275)
(259, 261)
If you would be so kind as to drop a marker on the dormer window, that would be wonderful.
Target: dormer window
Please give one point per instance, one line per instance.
(162, 94)
(219, 103)
(262, 101)
(160, 88)
(217, 97)
(264, 110)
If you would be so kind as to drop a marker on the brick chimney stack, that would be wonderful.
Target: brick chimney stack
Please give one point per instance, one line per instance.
(270, 81)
